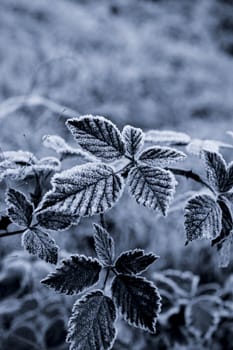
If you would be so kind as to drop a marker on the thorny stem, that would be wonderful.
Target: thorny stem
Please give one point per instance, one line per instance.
(189, 174)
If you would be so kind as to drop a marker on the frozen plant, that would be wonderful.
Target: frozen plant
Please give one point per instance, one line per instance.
(145, 163)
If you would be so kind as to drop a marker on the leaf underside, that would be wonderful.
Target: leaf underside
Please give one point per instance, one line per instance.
(202, 218)
(152, 187)
(74, 275)
(134, 261)
(104, 246)
(91, 326)
(84, 190)
(41, 244)
(138, 301)
(98, 136)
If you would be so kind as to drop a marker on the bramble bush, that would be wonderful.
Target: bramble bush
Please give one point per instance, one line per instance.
(146, 163)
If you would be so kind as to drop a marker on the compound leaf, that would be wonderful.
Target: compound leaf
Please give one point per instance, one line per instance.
(91, 326)
(138, 301)
(202, 218)
(20, 210)
(98, 136)
(161, 156)
(134, 261)
(74, 275)
(56, 221)
(41, 244)
(152, 187)
(84, 190)
(104, 246)
(216, 170)
(168, 137)
(133, 138)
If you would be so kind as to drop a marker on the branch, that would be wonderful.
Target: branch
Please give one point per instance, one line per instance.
(189, 174)
(8, 234)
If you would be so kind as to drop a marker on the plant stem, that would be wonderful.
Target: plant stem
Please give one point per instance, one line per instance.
(189, 174)
(106, 278)
(8, 234)
(102, 220)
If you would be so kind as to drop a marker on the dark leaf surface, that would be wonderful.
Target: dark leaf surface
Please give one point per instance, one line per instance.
(56, 221)
(41, 244)
(203, 218)
(19, 208)
(98, 136)
(161, 156)
(91, 326)
(134, 261)
(133, 138)
(104, 246)
(138, 301)
(152, 187)
(74, 275)
(216, 170)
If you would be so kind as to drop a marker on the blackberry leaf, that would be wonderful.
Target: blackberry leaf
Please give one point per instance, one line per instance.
(98, 136)
(161, 156)
(138, 301)
(84, 190)
(104, 246)
(91, 325)
(56, 221)
(152, 187)
(167, 137)
(41, 244)
(20, 210)
(202, 218)
(133, 138)
(134, 261)
(216, 170)
(74, 275)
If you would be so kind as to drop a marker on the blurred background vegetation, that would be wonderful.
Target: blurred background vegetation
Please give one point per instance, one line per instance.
(156, 64)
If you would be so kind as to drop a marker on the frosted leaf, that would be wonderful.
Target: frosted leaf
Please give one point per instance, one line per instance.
(134, 261)
(92, 324)
(74, 275)
(133, 139)
(216, 170)
(20, 210)
(224, 249)
(168, 137)
(202, 316)
(59, 145)
(229, 182)
(98, 136)
(227, 221)
(138, 301)
(84, 190)
(15, 164)
(104, 246)
(152, 187)
(5, 221)
(48, 163)
(202, 218)
(161, 156)
(230, 133)
(56, 221)
(41, 244)
(196, 146)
